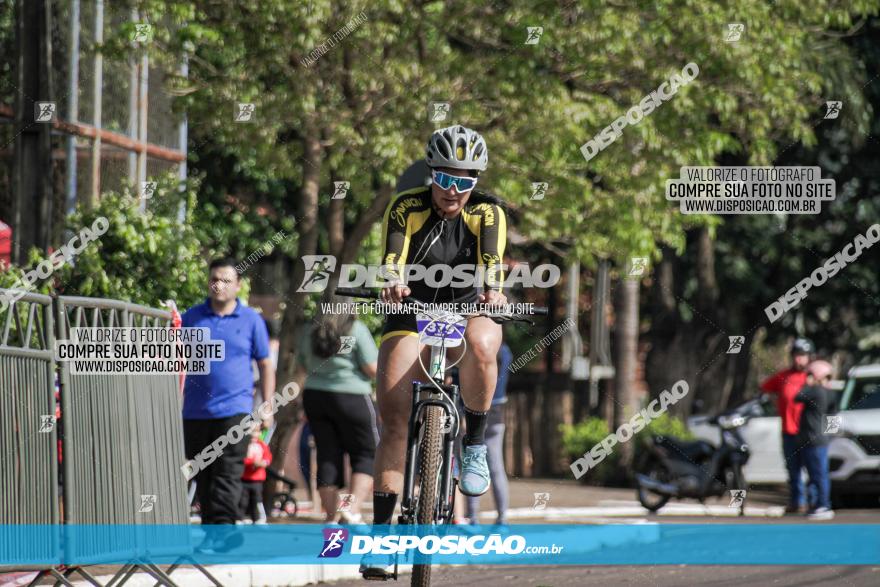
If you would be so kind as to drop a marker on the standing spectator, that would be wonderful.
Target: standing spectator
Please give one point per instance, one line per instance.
(339, 357)
(274, 340)
(495, 443)
(816, 397)
(255, 463)
(785, 385)
(305, 454)
(215, 402)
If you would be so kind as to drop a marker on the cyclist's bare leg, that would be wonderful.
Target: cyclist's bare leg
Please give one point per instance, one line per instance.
(398, 368)
(478, 371)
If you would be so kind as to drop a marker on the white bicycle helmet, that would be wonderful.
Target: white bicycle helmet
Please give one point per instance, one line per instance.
(457, 147)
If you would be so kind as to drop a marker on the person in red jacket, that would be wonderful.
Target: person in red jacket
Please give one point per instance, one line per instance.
(257, 459)
(785, 385)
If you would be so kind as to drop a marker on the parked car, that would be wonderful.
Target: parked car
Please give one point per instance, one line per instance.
(854, 450)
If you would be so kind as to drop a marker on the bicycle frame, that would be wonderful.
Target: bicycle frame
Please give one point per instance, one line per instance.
(434, 397)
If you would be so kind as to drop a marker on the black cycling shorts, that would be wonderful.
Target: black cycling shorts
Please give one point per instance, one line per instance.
(342, 423)
(399, 325)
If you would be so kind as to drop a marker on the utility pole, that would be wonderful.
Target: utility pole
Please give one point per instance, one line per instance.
(32, 167)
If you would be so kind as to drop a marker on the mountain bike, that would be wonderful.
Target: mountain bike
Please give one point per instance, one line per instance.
(429, 484)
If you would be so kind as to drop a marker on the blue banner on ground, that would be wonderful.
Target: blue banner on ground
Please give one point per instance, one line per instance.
(541, 544)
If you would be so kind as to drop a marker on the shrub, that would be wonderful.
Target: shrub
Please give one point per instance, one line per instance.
(580, 438)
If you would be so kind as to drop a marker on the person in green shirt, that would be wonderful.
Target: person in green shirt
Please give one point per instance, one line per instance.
(338, 357)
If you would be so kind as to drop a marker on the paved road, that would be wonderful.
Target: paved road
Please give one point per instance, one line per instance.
(647, 576)
(573, 503)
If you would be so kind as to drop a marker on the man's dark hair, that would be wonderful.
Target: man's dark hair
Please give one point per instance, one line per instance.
(223, 262)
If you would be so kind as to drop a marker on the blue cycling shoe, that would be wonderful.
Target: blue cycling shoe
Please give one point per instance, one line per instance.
(474, 470)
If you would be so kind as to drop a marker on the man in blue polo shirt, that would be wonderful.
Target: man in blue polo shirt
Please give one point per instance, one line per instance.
(214, 403)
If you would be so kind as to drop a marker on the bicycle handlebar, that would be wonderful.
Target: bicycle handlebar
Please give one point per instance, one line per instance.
(357, 292)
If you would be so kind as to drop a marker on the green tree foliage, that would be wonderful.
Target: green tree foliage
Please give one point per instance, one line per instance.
(757, 258)
(366, 97)
(144, 257)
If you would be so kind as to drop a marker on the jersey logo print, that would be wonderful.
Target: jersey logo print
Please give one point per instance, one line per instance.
(399, 211)
(493, 269)
(488, 212)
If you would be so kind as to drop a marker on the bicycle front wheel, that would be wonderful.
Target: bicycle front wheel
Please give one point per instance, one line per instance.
(430, 458)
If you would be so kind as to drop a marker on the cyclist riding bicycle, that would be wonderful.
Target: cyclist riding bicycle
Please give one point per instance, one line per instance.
(451, 224)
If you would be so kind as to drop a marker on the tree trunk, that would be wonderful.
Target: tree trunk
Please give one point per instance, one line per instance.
(336, 227)
(626, 339)
(307, 229)
(689, 332)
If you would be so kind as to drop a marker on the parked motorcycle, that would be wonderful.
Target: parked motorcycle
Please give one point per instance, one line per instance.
(674, 468)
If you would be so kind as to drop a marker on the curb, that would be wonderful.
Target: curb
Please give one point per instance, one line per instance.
(245, 576)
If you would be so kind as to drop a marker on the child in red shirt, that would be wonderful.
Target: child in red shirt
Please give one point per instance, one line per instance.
(257, 459)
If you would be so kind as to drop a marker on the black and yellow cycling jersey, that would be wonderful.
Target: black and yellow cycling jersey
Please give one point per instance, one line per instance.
(415, 234)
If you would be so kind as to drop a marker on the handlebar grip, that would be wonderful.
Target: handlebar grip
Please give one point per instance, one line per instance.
(540, 311)
(357, 292)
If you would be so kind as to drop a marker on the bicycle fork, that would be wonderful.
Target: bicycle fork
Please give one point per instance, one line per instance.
(450, 431)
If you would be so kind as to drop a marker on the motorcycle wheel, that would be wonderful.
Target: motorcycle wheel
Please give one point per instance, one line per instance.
(652, 501)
